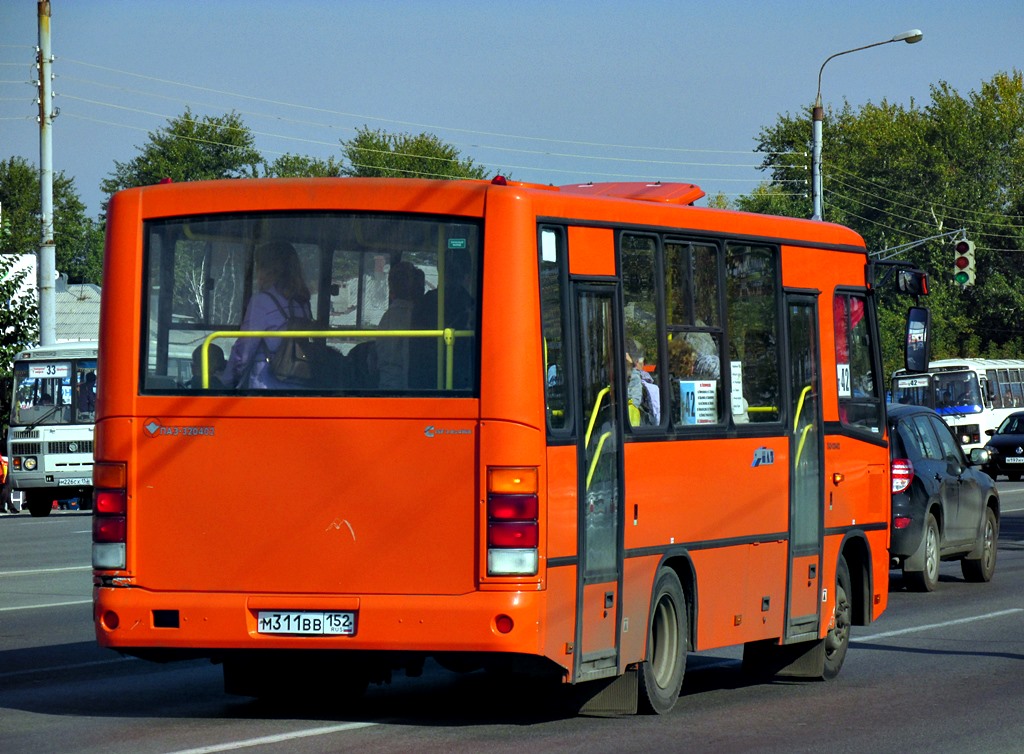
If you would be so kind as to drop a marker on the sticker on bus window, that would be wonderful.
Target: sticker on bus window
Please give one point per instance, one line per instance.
(699, 400)
(843, 376)
(456, 243)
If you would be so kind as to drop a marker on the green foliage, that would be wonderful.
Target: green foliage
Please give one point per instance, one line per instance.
(19, 316)
(380, 154)
(300, 166)
(190, 149)
(79, 240)
(900, 174)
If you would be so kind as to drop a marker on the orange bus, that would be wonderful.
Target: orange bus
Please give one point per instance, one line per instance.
(575, 432)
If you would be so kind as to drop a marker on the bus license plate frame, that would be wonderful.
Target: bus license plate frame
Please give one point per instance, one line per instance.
(306, 622)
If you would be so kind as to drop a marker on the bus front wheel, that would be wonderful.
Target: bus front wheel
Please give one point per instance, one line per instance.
(837, 640)
(38, 502)
(661, 675)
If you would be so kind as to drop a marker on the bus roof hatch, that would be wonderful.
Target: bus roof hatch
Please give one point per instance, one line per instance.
(669, 193)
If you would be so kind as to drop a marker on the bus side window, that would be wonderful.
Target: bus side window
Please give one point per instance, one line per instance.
(640, 322)
(752, 295)
(552, 257)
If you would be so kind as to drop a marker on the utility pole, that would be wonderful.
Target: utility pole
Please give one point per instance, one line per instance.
(47, 267)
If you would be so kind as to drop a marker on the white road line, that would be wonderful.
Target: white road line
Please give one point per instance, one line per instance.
(36, 571)
(915, 629)
(51, 604)
(61, 668)
(280, 738)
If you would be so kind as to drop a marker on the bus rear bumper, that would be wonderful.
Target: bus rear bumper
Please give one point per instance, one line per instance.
(133, 619)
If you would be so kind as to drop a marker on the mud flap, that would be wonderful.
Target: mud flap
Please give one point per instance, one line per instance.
(609, 697)
(766, 659)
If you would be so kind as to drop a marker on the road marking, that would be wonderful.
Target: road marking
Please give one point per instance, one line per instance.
(51, 604)
(59, 668)
(944, 624)
(36, 571)
(280, 738)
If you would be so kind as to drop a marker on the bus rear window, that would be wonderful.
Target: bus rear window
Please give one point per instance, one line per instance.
(365, 304)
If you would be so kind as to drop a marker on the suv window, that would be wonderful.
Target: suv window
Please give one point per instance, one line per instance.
(930, 444)
(950, 448)
(907, 441)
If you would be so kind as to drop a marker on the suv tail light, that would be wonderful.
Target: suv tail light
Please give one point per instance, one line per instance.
(902, 474)
(109, 515)
(512, 522)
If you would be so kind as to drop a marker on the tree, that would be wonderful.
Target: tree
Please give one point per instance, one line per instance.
(299, 166)
(379, 154)
(19, 315)
(902, 174)
(190, 149)
(79, 240)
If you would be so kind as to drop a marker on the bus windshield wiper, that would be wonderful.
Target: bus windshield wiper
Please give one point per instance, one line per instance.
(42, 418)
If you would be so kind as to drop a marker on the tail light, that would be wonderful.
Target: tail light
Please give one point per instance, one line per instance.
(902, 474)
(109, 515)
(512, 522)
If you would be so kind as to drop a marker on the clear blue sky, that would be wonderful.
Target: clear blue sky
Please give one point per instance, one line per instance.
(553, 92)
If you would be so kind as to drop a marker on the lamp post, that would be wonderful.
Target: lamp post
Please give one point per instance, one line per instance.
(910, 37)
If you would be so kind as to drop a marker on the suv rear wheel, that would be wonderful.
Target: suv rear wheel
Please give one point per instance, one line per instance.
(926, 580)
(981, 569)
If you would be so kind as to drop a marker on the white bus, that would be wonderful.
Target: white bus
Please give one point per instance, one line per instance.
(972, 395)
(50, 438)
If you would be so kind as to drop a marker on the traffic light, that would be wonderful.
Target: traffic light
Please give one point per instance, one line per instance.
(963, 263)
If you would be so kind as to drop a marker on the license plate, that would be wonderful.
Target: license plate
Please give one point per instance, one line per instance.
(307, 623)
(1014, 459)
(78, 481)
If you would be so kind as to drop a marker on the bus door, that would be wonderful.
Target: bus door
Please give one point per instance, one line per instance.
(803, 603)
(599, 461)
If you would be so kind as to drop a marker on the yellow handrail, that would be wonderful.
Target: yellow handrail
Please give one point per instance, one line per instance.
(800, 445)
(447, 334)
(597, 457)
(800, 406)
(593, 414)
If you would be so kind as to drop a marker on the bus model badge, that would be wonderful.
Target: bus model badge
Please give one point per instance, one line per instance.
(763, 457)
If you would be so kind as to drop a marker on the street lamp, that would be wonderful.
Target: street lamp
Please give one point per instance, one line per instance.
(910, 37)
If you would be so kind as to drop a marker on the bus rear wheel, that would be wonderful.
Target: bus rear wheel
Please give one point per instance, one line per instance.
(661, 675)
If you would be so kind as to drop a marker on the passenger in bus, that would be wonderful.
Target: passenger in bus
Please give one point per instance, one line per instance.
(405, 289)
(87, 394)
(642, 393)
(217, 362)
(459, 314)
(281, 292)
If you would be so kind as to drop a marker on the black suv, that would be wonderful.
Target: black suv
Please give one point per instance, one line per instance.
(943, 507)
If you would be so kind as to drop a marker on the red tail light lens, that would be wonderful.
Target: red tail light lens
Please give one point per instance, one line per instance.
(902, 474)
(512, 535)
(511, 507)
(109, 502)
(107, 529)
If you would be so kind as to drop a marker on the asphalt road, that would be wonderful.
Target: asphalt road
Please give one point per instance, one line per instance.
(940, 672)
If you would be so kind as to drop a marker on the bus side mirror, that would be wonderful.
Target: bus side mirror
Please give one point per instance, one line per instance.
(912, 282)
(917, 344)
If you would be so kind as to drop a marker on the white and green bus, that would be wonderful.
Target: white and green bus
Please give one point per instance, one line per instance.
(972, 395)
(50, 437)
